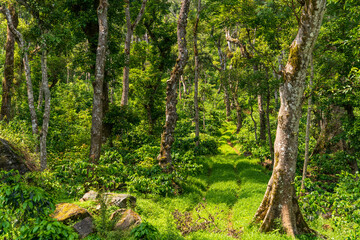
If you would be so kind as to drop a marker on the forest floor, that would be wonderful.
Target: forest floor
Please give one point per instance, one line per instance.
(226, 196)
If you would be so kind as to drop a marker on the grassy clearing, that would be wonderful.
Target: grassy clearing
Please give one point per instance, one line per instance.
(231, 187)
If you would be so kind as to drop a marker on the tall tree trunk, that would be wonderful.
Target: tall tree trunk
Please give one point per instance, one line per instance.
(98, 84)
(252, 118)
(262, 118)
(223, 83)
(5, 113)
(239, 118)
(46, 116)
(280, 202)
(227, 103)
(196, 77)
(271, 145)
(167, 137)
(130, 30)
(22, 44)
(308, 122)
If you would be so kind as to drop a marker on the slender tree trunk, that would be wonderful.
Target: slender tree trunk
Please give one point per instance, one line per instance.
(98, 85)
(262, 118)
(130, 30)
(239, 118)
(280, 202)
(308, 123)
(5, 113)
(22, 44)
(167, 137)
(196, 77)
(46, 116)
(252, 118)
(223, 84)
(271, 145)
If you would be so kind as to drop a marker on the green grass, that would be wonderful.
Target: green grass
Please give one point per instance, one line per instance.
(231, 187)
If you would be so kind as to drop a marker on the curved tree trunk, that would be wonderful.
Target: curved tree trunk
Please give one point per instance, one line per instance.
(5, 113)
(280, 202)
(98, 84)
(167, 137)
(196, 77)
(22, 44)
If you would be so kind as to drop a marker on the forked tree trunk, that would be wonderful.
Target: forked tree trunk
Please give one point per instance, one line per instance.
(280, 205)
(130, 30)
(22, 44)
(308, 122)
(167, 137)
(196, 77)
(46, 116)
(5, 113)
(98, 84)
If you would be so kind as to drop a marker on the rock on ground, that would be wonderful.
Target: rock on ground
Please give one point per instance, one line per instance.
(128, 220)
(84, 227)
(69, 211)
(91, 195)
(10, 159)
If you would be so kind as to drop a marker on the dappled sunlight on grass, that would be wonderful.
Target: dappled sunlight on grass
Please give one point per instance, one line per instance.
(229, 189)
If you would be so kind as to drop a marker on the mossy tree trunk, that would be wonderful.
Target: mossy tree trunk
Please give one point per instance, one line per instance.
(167, 137)
(98, 84)
(196, 77)
(24, 48)
(280, 205)
(8, 69)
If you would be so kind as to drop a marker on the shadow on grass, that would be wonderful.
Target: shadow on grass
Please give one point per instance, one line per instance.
(253, 173)
(217, 196)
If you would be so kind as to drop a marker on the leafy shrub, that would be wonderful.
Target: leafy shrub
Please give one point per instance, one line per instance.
(26, 209)
(144, 231)
(343, 205)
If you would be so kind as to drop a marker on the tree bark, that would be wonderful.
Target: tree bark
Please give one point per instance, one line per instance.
(196, 77)
(252, 118)
(5, 113)
(22, 44)
(223, 84)
(280, 202)
(46, 116)
(262, 118)
(98, 85)
(130, 30)
(308, 122)
(167, 137)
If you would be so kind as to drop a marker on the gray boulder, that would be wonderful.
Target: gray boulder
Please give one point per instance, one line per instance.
(120, 200)
(128, 220)
(10, 159)
(91, 195)
(84, 227)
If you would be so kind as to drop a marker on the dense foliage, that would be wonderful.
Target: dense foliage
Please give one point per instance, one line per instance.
(242, 48)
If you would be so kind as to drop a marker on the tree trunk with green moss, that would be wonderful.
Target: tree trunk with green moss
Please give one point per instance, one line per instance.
(98, 84)
(8, 69)
(167, 137)
(280, 208)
